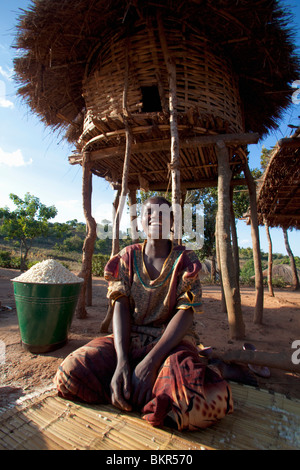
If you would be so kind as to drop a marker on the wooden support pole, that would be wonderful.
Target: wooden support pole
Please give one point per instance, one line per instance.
(175, 159)
(115, 248)
(223, 303)
(231, 288)
(295, 282)
(124, 189)
(89, 242)
(259, 287)
(270, 259)
(235, 247)
(235, 140)
(133, 215)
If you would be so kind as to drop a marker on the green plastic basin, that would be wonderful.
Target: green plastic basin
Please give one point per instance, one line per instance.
(45, 313)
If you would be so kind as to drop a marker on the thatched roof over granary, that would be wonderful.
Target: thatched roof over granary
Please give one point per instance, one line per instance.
(278, 201)
(235, 61)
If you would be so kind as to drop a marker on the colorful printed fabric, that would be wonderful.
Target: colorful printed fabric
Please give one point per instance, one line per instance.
(186, 390)
(154, 302)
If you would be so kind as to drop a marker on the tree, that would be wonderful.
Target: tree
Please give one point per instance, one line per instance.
(28, 221)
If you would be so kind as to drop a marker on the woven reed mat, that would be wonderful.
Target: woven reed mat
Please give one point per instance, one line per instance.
(261, 421)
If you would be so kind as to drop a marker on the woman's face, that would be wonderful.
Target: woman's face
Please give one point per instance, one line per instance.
(157, 219)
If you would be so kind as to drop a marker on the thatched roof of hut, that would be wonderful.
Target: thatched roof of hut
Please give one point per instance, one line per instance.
(283, 271)
(278, 201)
(59, 40)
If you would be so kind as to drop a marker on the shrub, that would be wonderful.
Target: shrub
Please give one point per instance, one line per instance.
(8, 261)
(98, 264)
(5, 259)
(247, 272)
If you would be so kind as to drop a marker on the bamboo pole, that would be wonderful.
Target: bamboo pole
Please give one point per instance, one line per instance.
(89, 242)
(175, 158)
(231, 288)
(259, 304)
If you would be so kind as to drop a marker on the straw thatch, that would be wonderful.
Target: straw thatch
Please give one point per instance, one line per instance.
(278, 200)
(60, 44)
(260, 421)
(282, 271)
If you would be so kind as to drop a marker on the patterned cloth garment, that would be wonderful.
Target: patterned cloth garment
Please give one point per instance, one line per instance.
(187, 391)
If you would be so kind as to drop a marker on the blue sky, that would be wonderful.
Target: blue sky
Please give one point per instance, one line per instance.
(33, 159)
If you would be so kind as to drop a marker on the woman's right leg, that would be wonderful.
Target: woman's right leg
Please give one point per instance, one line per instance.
(87, 372)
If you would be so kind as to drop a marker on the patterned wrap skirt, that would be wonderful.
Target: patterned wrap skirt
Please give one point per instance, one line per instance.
(187, 390)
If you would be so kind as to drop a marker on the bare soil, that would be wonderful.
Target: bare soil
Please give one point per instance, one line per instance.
(22, 373)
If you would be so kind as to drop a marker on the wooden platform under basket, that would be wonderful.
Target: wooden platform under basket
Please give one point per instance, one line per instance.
(261, 421)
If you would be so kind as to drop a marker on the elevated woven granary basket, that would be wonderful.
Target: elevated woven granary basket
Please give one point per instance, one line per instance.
(208, 98)
(205, 82)
(85, 65)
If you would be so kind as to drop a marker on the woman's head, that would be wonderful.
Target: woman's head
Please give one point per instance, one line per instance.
(157, 217)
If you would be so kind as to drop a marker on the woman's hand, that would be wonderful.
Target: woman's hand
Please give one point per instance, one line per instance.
(120, 387)
(146, 371)
(143, 379)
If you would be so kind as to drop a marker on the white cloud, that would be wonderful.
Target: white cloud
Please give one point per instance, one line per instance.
(68, 203)
(68, 209)
(13, 159)
(8, 73)
(4, 103)
(245, 241)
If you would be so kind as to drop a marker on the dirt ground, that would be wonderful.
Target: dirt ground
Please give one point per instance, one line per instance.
(22, 373)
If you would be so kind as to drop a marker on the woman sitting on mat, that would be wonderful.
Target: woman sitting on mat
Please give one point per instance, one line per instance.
(151, 362)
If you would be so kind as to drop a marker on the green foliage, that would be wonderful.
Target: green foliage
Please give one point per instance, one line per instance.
(72, 243)
(28, 221)
(247, 272)
(5, 259)
(98, 264)
(265, 157)
(8, 261)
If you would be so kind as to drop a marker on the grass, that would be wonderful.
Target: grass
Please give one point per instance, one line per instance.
(71, 260)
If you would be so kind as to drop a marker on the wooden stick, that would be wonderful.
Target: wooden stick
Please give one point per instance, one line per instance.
(116, 226)
(128, 134)
(270, 259)
(124, 189)
(133, 215)
(175, 159)
(235, 247)
(282, 361)
(164, 144)
(196, 184)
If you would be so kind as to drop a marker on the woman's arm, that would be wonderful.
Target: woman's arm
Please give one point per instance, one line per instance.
(121, 382)
(146, 371)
